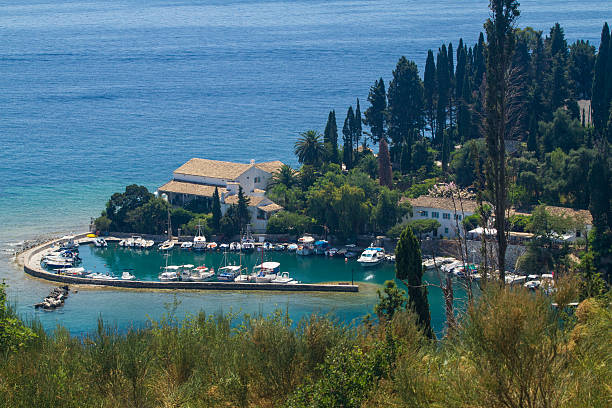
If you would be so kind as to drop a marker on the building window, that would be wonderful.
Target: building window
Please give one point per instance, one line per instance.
(458, 217)
(435, 214)
(261, 215)
(446, 230)
(424, 213)
(446, 216)
(577, 234)
(258, 179)
(435, 232)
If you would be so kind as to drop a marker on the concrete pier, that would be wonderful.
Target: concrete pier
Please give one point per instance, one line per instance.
(33, 256)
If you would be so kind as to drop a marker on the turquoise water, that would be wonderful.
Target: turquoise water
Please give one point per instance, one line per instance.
(96, 95)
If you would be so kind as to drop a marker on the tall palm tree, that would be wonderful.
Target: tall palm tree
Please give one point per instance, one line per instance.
(284, 176)
(309, 148)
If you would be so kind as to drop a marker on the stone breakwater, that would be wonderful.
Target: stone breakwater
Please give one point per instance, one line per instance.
(31, 265)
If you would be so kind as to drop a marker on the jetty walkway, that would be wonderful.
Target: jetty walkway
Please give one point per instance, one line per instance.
(31, 266)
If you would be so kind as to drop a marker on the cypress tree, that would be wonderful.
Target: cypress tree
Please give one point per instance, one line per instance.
(405, 108)
(599, 102)
(500, 46)
(409, 269)
(479, 62)
(375, 114)
(357, 126)
(242, 211)
(347, 133)
(385, 174)
(443, 88)
(460, 71)
(451, 86)
(558, 75)
(216, 210)
(429, 87)
(330, 137)
(608, 99)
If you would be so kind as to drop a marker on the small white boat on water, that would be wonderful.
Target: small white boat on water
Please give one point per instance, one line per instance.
(371, 257)
(284, 278)
(80, 271)
(235, 246)
(199, 241)
(212, 246)
(187, 245)
(170, 273)
(292, 247)
(224, 247)
(126, 275)
(57, 264)
(228, 273)
(247, 242)
(305, 245)
(100, 242)
(166, 245)
(265, 272)
(201, 274)
(68, 242)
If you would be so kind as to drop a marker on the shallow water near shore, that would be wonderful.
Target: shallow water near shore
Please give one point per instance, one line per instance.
(97, 95)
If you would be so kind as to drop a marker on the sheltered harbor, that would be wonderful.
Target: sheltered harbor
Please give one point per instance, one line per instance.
(32, 258)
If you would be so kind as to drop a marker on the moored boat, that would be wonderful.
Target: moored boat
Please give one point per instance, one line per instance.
(371, 257)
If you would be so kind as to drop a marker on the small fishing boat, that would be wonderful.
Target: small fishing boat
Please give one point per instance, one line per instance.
(279, 247)
(68, 242)
(170, 273)
(186, 245)
(331, 252)
(247, 242)
(320, 247)
(201, 274)
(265, 272)
(292, 247)
(235, 246)
(53, 264)
(224, 247)
(212, 246)
(126, 275)
(228, 273)
(305, 245)
(267, 246)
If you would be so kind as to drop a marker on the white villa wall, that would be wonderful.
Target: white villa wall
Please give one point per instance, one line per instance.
(448, 226)
(247, 179)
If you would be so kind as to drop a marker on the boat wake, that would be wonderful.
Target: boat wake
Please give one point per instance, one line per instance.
(369, 277)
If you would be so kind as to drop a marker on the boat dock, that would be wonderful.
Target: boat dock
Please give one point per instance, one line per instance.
(32, 258)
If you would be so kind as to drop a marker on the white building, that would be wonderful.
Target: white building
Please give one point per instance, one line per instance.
(581, 222)
(198, 178)
(447, 212)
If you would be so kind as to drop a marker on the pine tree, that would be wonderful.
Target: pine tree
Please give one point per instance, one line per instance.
(347, 133)
(216, 211)
(330, 137)
(500, 46)
(375, 114)
(429, 87)
(409, 269)
(599, 102)
(385, 174)
(405, 109)
(242, 211)
(357, 130)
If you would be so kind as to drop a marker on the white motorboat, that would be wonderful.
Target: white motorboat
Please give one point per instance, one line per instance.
(68, 242)
(101, 276)
(212, 246)
(371, 257)
(284, 278)
(166, 245)
(305, 245)
(224, 247)
(247, 242)
(186, 245)
(169, 274)
(127, 276)
(235, 246)
(201, 273)
(100, 242)
(139, 242)
(53, 264)
(228, 273)
(292, 247)
(331, 252)
(71, 271)
(242, 278)
(265, 272)
(279, 247)
(267, 246)
(199, 241)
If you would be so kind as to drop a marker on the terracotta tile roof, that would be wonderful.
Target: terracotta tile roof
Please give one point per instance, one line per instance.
(271, 207)
(222, 169)
(579, 215)
(271, 166)
(443, 203)
(254, 200)
(182, 187)
(259, 190)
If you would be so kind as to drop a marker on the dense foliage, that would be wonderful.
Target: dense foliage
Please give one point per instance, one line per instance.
(509, 350)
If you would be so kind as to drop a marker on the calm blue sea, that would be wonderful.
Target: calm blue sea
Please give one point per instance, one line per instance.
(98, 94)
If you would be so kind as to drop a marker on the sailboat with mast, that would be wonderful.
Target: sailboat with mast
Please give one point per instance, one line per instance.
(227, 273)
(199, 241)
